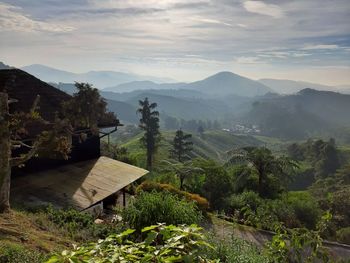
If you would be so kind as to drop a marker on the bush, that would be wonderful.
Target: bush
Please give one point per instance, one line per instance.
(78, 225)
(201, 202)
(305, 208)
(234, 250)
(160, 207)
(161, 244)
(237, 202)
(11, 253)
(343, 235)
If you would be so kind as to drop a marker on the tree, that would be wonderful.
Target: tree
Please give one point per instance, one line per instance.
(217, 183)
(53, 140)
(87, 108)
(200, 130)
(182, 146)
(264, 164)
(182, 170)
(149, 122)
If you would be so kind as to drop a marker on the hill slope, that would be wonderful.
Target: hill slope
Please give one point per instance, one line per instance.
(212, 144)
(284, 86)
(307, 113)
(100, 79)
(220, 84)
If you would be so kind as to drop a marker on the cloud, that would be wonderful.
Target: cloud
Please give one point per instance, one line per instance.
(248, 60)
(316, 47)
(12, 19)
(210, 21)
(259, 7)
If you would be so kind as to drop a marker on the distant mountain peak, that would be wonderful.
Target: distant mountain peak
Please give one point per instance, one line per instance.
(4, 66)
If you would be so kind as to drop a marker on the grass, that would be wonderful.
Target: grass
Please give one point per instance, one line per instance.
(25, 231)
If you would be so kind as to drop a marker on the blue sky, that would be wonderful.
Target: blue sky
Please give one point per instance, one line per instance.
(182, 39)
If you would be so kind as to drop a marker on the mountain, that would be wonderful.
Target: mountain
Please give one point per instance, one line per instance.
(218, 85)
(284, 86)
(228, 83)
(4, 66)
(301, 115)
(125, 112)
(144, 85)
(184, 108)
(100, 79)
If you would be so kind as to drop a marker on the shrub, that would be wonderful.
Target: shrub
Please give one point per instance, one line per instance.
(305, 208)
(11, 253)
(237, 202)
(201, 202)
(161, 244)
(343, 235)
(234, 250)
(79, 225)
(160, 207)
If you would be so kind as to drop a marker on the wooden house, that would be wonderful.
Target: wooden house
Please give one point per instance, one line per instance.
(83, 181)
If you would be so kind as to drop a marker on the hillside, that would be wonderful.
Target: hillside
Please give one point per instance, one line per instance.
(227, 83)
(4, 66)
(184, 108)
(218, 85)
(307, 113)
(284, 86)
(211, 145)
(100, 79)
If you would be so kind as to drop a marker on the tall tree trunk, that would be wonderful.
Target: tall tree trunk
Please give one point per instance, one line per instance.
(5, 154)
(260, 182)
(149, 159)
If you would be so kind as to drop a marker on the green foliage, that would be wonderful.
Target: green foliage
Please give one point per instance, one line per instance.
(323, 156)
(13, 253)
(238, 201)
(234, 250)
(305, 208)
(271, 170)
(333, 193)
(293, 209)
(87, 109)
(160, 207)
(182, 146)
(149, 122)
(148, 186)
(161, 243)
(298, 245)
(343, 235)
(217, 183)
(78, 225)
(118, 153)
(183, 170)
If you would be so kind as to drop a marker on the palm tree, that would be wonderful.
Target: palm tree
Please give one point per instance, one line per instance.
(149, 122)
(182, 170)
(264, 163)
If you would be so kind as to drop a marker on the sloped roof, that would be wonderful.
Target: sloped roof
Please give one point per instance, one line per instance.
(79, 185)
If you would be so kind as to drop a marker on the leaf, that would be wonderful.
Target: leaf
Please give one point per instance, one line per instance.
(151, 237)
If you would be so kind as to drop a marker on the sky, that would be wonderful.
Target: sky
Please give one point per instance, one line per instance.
(185, 40)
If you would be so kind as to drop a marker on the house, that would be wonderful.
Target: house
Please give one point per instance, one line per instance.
(86, 179)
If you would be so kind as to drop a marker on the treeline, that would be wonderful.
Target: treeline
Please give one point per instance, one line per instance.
(322, 155)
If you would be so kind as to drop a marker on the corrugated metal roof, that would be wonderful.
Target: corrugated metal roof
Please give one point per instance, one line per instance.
(77, 185)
